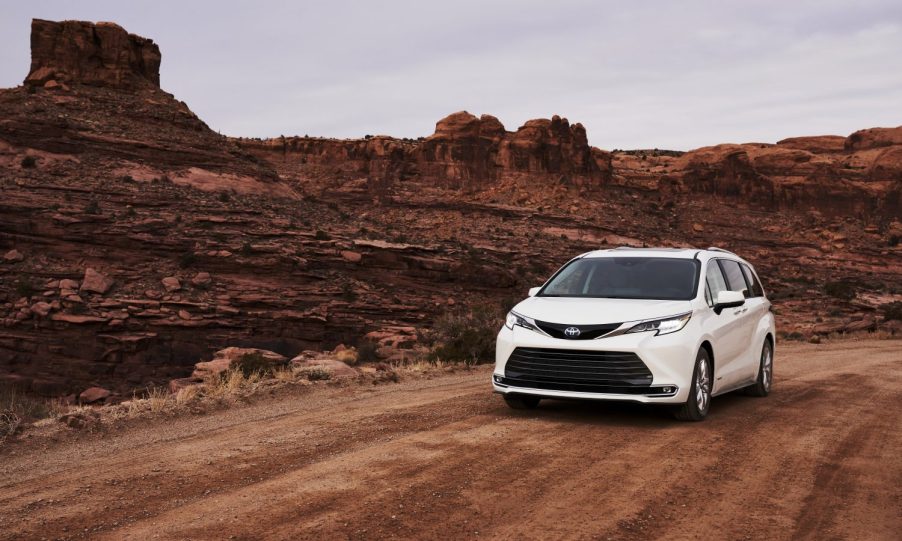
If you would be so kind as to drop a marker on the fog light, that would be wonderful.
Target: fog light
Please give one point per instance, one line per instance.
(668, 389)
(497, 378)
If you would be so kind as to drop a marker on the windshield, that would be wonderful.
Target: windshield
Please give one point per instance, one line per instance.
(658, 278)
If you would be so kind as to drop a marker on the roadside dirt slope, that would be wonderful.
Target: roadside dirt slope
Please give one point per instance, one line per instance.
(444, 458)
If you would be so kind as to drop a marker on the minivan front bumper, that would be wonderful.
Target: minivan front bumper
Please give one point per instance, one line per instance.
(668, 357)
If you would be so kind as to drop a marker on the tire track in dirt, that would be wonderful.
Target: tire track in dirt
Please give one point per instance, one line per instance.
(445, 459)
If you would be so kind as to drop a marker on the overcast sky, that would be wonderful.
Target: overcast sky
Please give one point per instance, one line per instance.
(666, 74)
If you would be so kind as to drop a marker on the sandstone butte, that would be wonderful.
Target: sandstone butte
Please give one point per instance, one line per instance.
(112, 192)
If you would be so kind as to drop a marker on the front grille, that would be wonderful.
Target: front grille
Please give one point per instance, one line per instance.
(586, 332)
(577, 370)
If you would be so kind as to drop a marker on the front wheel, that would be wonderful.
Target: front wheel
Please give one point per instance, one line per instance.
(762, 385)
(521, 402)
(699, 401)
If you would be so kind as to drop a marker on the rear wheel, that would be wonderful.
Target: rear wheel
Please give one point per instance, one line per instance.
(699, 401)
(521, 402)
(765, 379)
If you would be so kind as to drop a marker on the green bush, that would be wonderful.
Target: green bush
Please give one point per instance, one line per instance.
(187, 259)
(25, 288)
(318, 374)
(253, 363)
(843, 290)
(465, 335)
(93, 207)
(367, 352)
(892, 311)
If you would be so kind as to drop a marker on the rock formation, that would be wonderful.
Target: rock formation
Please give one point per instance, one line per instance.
(465, 151)
(136, 241)
(101, 54)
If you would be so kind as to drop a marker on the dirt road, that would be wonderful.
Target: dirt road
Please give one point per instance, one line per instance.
(821, 458)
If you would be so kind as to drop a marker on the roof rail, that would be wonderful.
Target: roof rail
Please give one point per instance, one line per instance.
(716, 249)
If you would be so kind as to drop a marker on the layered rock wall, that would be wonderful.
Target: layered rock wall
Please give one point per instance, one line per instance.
(101, 54)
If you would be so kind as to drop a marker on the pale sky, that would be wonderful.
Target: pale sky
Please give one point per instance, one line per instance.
(665, 74)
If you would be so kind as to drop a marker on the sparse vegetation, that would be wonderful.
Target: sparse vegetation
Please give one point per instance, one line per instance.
(321, 235)
(892, 311)
(93, 207)
(224, 197)
(367, 352)
(187, 259)
(29, 162)
(842, 289)
(254, 363)
(318, 374)
(24, 287)
(465, 335)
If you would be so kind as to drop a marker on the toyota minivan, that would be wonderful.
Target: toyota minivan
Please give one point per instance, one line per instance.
(654, 325)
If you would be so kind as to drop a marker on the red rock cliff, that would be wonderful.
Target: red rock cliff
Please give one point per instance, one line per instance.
(101, 54)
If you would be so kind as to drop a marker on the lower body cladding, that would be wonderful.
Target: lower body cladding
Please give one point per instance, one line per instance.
(638, 367)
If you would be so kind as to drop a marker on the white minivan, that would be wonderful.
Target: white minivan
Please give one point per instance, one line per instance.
(653, 325)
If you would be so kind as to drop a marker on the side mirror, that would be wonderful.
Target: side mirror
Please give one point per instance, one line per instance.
(533, 291)
(728, 299)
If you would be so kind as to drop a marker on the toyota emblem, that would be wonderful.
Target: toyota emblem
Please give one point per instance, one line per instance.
(572, 332)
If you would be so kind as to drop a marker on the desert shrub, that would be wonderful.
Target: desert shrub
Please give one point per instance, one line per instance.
(318, 374)
(187, 259)
(17, 408)
(347, 292)
(465, 335)
(321, 235)
(253, 363)
(843, 290)
(93, 207)
(893, 240)
(28, 162)
(367, 352)
(246, 249)
(224, 197)
(127, 178)
(892, 311)
(24, 287)
(348, 356)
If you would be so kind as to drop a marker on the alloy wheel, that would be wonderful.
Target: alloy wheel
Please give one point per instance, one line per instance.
(702, 386)
(767, 367)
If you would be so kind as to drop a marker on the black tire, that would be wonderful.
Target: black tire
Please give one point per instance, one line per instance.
(699, 402)
(765, 380)
(521, 402)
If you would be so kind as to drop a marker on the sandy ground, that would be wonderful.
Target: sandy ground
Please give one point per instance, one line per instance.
(821, 458)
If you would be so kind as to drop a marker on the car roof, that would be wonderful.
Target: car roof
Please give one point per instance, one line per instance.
(675, 253)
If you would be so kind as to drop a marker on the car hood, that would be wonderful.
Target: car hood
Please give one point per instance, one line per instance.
(587, 311)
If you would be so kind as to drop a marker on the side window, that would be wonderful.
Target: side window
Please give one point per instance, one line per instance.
(757, 290)
(735, 279)
(714, 281)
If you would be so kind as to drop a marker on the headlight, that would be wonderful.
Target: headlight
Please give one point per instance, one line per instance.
(665, 325)
(514, 318)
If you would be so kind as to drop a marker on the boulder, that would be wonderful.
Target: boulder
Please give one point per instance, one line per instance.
(96, 282)
(225, 358)
(171, 283)
(92, 395)
(201, 279)
(353, 257)
(336, 368)
(13, 256)
(41, 308)
(68, 285)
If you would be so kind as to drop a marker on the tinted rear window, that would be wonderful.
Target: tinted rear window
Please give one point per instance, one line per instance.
(626, 278)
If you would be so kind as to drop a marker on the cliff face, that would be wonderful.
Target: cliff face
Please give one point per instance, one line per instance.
(859, 174)
(101, 54)
(135, 241)
(465, 152)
